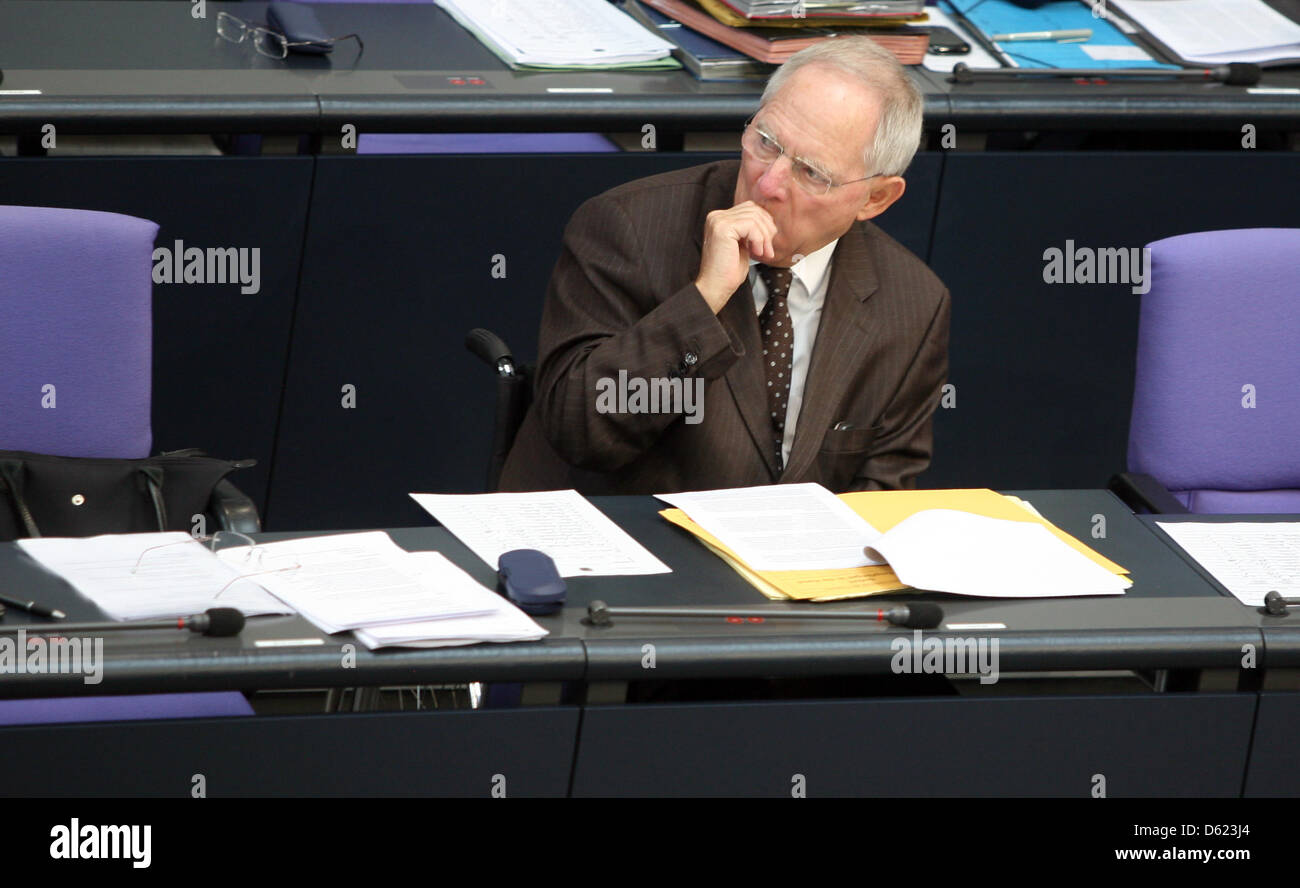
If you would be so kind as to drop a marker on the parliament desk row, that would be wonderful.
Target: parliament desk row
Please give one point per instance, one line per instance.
(1174, 689)
(370, 270)
(85, 68)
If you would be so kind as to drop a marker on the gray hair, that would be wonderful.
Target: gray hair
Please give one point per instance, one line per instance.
(898, 132)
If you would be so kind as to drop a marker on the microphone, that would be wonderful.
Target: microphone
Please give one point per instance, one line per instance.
(1232, 74)
(491, 350)
(920, 615)
(215, 622)
(1276, 604)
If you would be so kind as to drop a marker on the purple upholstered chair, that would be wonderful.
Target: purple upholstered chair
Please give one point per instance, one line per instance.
(1216, 407)
(77, 335)
(131, 707)
(484, 143)
(76, 298)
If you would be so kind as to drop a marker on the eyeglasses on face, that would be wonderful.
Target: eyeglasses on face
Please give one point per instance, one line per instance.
(763, 147)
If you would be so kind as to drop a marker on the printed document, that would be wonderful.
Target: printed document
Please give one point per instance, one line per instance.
(580, 539)
(943, 550)
(781, 526)
(1250, 559)
(148, 576)
(349, 580)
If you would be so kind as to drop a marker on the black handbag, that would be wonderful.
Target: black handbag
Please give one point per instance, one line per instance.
(43, 495)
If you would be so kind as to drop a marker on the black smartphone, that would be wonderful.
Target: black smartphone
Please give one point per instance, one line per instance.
(944, 41)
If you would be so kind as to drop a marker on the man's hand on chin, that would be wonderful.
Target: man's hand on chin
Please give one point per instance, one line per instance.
(731, 237)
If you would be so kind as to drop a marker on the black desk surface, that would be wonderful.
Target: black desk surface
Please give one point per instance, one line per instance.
(1171, 618)
(106, 66)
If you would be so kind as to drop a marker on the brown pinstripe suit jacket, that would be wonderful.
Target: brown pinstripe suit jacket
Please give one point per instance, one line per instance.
(622, 297)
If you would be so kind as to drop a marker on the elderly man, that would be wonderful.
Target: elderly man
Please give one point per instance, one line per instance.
(742, 323)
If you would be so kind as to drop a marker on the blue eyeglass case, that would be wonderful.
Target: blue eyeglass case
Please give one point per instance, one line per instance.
(531, 580)
(299, 25)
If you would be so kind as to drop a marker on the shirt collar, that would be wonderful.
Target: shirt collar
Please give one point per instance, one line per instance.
(811, 269)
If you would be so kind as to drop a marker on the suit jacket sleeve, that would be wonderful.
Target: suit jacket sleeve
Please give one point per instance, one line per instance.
(610, 307)
(904, 442)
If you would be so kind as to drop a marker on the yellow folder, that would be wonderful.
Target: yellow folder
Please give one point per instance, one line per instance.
(882, 509)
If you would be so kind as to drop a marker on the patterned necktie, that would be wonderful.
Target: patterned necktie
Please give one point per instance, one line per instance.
(778, 347)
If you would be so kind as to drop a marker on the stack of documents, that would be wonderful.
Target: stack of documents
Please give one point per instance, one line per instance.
(1216, 32)
(706, 58)
(576, 34)
(1250, 559)
(787, 9)
(774, 45)
(799, 541)
(366, 583)
(150, 576)
(496, 620)
(362, 582)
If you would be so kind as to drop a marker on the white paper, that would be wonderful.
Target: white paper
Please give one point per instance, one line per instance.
(345, 581)
(1217, 31)
(943, 550)
(143, 576)
(499, 620)
(1116, 53)
(782, 526)
(559, 32)
(1249, 559)
(580, 539)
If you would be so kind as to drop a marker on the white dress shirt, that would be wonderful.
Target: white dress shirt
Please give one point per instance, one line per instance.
(809, 279)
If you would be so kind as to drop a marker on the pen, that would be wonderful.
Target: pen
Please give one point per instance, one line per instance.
(1075, 34)
(32, 607)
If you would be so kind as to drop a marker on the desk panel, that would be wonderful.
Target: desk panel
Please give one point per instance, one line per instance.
(1273, 772)
(369, 754)
(914, 747)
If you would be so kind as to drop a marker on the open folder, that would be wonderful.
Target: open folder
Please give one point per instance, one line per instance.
(885, 510)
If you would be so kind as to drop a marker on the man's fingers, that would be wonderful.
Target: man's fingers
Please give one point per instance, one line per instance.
(742, 218)
(757, 232)
(761, 219)
(731, 237)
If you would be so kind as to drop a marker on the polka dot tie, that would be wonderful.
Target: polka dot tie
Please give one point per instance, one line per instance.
(778, 347)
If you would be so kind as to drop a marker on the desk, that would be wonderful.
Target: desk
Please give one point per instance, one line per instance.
(98, 73)
(1013, 738)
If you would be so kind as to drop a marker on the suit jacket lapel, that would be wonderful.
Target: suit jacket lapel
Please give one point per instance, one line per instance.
(745, 380)
(844, 339)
